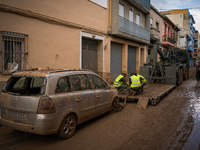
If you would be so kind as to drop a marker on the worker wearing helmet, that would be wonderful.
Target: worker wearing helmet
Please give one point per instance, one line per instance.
(120, 82)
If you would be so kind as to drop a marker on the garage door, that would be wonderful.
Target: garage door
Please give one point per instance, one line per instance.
(116, 60)
(131, 60)
(89, 54)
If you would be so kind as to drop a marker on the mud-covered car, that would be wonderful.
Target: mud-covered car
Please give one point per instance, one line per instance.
(54, 102)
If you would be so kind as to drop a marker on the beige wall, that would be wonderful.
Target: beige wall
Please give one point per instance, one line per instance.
(59, 45)
(48, 44)
(182, 21)
(176, 19)
(56, 46)
(66, 10)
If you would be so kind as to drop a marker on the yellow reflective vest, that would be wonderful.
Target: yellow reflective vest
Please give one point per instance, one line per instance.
(145, 81)
(116, 82)
(135, 81)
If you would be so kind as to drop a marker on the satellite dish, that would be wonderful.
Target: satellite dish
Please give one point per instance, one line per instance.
(12, 67)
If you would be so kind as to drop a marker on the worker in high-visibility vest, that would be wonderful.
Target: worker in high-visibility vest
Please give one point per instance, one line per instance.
(120, 82)
(142, 80)
(136, 82)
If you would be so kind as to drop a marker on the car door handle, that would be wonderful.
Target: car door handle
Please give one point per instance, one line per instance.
(78, 100)
(98, 96)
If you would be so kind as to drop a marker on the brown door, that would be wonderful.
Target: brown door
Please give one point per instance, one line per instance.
(89, 54)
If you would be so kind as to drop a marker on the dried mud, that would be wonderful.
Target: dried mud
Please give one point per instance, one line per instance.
(172, 124)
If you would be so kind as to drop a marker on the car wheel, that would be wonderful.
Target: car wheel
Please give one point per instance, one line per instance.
(114, 105)
(67, 127)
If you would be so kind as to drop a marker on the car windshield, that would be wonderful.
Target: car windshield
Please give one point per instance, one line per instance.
(25, 86)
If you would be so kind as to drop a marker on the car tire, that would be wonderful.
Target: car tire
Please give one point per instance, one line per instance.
(67, 127)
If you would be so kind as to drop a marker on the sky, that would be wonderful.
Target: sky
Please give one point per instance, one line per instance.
(192, 5)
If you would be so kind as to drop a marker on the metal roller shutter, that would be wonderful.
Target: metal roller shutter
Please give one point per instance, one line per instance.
(116, 60)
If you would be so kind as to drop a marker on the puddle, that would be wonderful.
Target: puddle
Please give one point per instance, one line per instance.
(193, 141)
(187, 136)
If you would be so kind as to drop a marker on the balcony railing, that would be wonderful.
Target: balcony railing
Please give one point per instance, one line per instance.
(133, 29)
(155, 34)
(146, 3)
(182, 33)
(169, 39)
(195, 45)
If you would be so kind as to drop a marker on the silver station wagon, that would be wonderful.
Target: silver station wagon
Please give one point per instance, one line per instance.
(54, 102)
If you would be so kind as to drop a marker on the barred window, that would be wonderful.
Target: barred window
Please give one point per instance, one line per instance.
(13, 49)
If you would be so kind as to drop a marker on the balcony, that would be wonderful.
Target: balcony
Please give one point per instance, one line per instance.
(195, 35)
(155, 35)
(143, 5)
(194, 54)
(124, 28)
(195, 45)
(133, 29)
(169, 39)
(182, 33)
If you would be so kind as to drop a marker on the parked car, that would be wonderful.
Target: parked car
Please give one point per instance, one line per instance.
(54, 102)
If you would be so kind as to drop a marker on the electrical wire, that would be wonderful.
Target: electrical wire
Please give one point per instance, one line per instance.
(178, 9)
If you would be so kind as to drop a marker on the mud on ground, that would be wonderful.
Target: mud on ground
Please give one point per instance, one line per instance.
(168, 125)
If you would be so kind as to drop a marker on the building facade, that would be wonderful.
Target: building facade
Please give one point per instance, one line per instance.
(185, 21)
(129, 35)
(170, 36)
(157, 31)
(107, 36)
(196, 48)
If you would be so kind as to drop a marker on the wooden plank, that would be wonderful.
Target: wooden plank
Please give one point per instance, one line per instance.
(142, 102)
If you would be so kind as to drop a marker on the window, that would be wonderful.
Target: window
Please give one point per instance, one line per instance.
(79, 82)
(36, 82)
(102, 3)
(26, 85)
(157, 26)
(63, 85)
(151, 22)
(13, 48)
(131, 15)
(121, 10)
(97, 83)
(20, 84)
(138, 19)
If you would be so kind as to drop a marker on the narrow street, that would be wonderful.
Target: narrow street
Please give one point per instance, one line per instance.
(172, 124)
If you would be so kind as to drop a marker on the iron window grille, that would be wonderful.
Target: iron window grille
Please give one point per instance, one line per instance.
(13, 50)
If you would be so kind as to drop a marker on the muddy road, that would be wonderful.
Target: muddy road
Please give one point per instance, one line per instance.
(173, 124)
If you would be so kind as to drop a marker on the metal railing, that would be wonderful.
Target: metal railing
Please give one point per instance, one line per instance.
(169, 39)
(133, 29)
(155, 33)
(195, 44)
